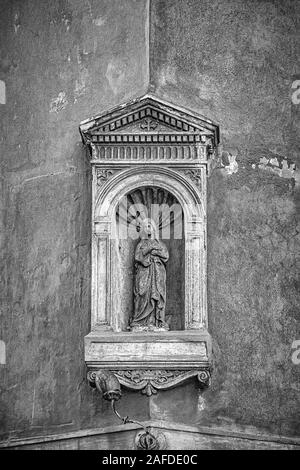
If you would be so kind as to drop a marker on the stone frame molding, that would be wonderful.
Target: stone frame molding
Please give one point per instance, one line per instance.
(149, 142)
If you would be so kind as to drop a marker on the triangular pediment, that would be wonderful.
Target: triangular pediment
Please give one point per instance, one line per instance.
(148, 115)
(144, 121)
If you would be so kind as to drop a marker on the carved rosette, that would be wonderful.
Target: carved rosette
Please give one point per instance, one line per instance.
(148, 124)
(150, 381)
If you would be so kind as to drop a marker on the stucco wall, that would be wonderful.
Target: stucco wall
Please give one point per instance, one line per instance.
(235, 62)
(61, 61)
(232, 61)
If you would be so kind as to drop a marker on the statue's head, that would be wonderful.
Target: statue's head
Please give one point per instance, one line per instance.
(148, 229)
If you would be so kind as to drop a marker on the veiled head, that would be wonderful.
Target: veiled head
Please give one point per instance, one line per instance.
(148, 229)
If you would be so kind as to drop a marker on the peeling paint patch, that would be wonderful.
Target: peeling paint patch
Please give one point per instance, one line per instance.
(2, 92)
(156, 409)
(2, 353)
(99, 21)
(66, 21)
(59, 103)
(79, 88)
(80, 85)
(201, 403)
(17, 23)
(281, 167)
(168, 75)
(229, 163)
(115, 75)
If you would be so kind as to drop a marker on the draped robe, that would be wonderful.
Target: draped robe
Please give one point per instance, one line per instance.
(150, 284)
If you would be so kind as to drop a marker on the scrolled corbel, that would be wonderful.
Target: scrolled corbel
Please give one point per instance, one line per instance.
(109, 386)
(204, 378)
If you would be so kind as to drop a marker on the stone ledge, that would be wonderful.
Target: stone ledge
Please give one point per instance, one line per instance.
(183, 350)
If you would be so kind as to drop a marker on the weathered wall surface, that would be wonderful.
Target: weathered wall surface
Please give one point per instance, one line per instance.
(61, 62)
(235, 62)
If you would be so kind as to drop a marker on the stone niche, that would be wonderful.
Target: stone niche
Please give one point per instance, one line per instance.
(149, 162)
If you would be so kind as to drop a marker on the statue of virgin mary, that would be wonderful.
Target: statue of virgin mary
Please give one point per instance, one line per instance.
(151, 256)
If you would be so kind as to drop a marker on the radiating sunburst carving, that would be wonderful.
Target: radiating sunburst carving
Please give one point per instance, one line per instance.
(150, 202)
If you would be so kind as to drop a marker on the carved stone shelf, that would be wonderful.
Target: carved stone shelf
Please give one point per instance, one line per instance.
(170, 349)
(153, 361)
(149, 145)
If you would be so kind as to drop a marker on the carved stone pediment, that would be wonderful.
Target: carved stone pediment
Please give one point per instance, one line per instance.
(149, 114)
(124, 133)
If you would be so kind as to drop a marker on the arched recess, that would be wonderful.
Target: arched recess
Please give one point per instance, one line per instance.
(107, 307)
(141, 205)
(124, 181)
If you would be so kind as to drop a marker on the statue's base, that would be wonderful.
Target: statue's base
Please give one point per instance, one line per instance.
(151, 328)
(185, 349)
(150, 361)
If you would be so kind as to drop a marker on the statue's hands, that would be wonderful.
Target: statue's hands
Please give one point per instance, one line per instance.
(157, 247)
(147, 251)
(155, 251)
